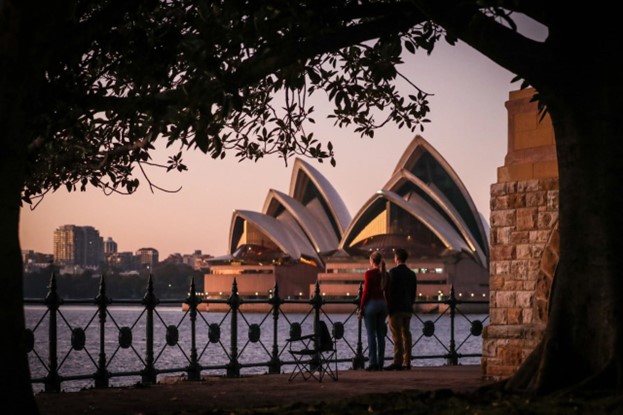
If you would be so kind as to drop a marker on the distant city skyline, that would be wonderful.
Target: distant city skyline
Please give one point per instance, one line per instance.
(468, 127)
(80, 248)
(107, 242)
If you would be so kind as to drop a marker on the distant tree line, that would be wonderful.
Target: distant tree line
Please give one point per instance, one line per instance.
(171, 281)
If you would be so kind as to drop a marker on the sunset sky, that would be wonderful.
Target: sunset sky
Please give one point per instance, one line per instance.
(468, 127)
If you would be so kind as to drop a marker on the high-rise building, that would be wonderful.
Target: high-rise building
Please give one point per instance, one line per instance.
(148, 258)
(110, 246)
(78, 246)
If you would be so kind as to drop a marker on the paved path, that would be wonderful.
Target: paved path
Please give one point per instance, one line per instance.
(258, 391)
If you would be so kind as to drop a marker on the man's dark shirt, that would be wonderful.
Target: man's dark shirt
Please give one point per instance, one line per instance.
(402, 288)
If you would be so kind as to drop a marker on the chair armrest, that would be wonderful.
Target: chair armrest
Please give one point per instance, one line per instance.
(306, 337)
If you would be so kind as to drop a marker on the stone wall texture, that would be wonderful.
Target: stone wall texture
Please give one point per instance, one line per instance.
(524, 239)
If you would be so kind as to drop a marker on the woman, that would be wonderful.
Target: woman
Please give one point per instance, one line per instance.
(374, 310)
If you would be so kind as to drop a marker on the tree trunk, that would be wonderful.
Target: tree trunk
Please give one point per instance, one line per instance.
(15, 370)
(24, 31)
(581, 348)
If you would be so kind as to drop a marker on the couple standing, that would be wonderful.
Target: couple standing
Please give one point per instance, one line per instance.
(390, 294)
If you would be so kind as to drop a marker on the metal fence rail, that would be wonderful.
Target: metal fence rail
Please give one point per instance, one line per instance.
(98, 348)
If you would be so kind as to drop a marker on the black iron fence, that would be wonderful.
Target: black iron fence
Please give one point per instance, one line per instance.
(95, 345)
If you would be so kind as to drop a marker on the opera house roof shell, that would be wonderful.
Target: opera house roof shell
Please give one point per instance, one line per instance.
(302, 226)
(424, 207)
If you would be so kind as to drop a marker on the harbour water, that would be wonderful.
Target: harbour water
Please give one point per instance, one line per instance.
(250, 340)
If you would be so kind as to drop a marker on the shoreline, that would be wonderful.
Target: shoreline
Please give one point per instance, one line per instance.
(335, 308)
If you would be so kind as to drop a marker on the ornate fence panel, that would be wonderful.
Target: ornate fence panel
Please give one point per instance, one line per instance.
(102, 342)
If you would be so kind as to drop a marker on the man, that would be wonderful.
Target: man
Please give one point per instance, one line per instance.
(400, 299)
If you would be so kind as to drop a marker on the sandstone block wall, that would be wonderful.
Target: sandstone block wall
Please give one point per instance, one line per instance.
(524, 215)
(523, 237)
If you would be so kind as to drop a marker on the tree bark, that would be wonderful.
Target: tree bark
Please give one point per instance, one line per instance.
(581, 348)
(26, 30)
(16, 373)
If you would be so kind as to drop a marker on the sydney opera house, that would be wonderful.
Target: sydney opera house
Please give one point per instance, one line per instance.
(309, 236)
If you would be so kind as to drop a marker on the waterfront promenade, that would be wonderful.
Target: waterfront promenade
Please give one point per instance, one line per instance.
(213, 394)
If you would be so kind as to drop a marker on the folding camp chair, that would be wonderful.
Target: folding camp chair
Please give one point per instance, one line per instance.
(315, 355)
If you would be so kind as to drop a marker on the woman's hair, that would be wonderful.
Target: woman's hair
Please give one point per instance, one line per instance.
(377, 259)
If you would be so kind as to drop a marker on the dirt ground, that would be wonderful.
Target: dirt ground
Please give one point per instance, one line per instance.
(443, 390)
(262, 391)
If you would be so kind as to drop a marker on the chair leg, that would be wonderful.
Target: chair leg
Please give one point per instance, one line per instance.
(330, 366)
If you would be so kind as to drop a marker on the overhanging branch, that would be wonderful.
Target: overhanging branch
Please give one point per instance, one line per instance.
(266, 62)
(499, 43)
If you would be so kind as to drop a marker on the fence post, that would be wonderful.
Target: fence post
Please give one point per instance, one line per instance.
(53, 301)
(359, 360)
(148, 374)
(234, 301)
(316, 301)
(453, 358)
(101, 300)
(194, 368)
(275, 363)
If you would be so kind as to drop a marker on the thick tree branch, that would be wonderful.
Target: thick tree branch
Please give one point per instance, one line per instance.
(265, 62)
(535, 9)
(501, 44)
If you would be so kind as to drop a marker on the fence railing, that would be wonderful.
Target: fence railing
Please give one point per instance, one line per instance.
(147, 338)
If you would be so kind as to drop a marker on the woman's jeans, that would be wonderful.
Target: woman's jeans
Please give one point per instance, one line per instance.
(374, 314)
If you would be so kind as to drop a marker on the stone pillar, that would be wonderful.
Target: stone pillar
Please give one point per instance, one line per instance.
(524, 218)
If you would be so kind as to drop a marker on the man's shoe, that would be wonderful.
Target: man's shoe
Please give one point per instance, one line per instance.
(393, 366)
(372, 368)
(407, 367)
